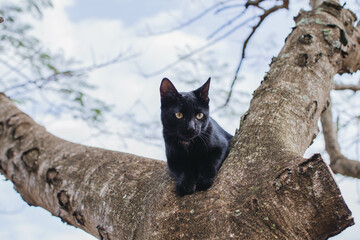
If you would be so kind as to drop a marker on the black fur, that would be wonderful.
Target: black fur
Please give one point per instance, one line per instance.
(195, 148)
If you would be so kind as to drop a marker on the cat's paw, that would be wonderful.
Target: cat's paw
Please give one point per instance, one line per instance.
(204, 184)
(184, 189)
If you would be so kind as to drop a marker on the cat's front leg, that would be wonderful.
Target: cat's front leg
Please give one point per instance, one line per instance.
(185, 184)
(206, 178)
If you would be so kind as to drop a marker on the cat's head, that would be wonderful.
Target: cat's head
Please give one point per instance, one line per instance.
(184, 114)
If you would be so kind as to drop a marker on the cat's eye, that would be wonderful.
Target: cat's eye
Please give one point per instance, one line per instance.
(199, 116)
(179, 115)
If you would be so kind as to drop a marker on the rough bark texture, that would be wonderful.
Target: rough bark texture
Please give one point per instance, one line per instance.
(264, 190)
(338, 162)
(347, 87)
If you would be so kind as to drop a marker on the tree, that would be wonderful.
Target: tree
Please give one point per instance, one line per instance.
(265, 189)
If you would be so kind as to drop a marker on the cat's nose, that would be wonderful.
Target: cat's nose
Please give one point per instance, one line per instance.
(191, 127)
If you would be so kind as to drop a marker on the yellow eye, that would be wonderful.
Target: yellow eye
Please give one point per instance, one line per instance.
(179, 115)
(199, 116)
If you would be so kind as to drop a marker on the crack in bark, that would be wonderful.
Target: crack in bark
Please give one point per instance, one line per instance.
(312, 109)
(79, 218)
(306, 39)
(30, 158)
(282, 179)
(20, 131)
(103, 234)
(10, 154)
(52, 176)
(64, 200)
(1, 128)
(302, 60)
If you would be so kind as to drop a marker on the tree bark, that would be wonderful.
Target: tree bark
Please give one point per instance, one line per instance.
(264, 190)
(347, 87)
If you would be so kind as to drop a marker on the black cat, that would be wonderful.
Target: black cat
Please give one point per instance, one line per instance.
(195, 144)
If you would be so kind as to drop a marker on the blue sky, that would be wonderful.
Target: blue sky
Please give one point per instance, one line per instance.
(93, 30)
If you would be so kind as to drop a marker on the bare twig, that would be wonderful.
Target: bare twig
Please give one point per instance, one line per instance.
(338, 162)
(190, 21)
(245, 44)
(41, 82)
(253, 3)
(16, 70)
(232, 6)
(228, 23)
(221, 37)
(21, 64)
(200, 49)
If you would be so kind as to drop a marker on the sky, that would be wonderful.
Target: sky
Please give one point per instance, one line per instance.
(96, 31)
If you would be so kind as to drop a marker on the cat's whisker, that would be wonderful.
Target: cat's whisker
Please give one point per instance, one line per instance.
(204, 140)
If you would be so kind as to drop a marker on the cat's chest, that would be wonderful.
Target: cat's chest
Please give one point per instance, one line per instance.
(190, 150)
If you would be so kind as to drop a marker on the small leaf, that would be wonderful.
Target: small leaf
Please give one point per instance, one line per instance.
(66, 91)
(51, 67)
(79, 99)
(44, 56)
(97, 111)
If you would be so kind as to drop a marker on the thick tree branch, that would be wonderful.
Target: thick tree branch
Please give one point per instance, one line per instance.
(338, 162)
(316, 3)
(265, 188)
(339, 86)
(93, 189)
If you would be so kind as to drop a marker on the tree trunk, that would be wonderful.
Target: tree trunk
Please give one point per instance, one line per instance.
(264, 190)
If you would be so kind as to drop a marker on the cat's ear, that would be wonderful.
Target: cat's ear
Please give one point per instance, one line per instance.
(203, 91)
(167, 89)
